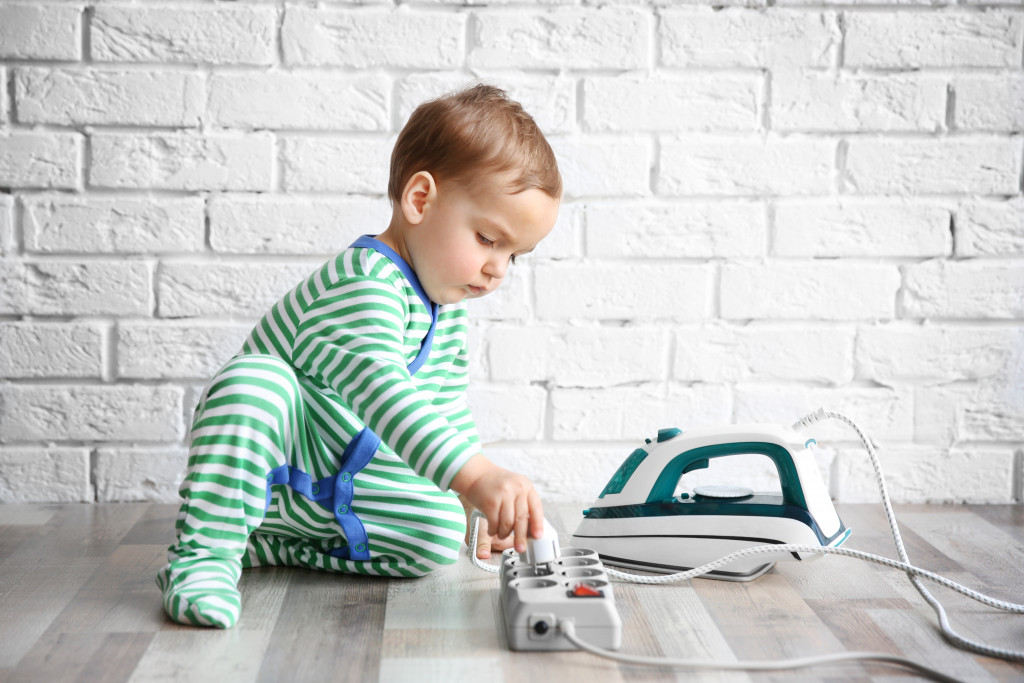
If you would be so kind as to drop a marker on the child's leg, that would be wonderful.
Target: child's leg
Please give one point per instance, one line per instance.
(245, 426)
(412, 528)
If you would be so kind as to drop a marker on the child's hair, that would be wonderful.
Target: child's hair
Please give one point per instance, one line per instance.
(461, 135)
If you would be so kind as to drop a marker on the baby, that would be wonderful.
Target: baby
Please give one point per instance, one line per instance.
(335, 438)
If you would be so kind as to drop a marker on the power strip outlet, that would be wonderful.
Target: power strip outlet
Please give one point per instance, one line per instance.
(572, 586)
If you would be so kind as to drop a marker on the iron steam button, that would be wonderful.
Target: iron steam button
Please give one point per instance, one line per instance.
(670, 433)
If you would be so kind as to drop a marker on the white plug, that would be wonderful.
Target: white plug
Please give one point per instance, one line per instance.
(544, 549)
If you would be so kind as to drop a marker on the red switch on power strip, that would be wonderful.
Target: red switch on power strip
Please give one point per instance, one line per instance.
(584, 591)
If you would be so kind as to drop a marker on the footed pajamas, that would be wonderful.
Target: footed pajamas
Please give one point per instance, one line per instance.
(329, 441)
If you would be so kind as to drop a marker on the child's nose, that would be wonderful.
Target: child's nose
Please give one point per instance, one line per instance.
(496, 267)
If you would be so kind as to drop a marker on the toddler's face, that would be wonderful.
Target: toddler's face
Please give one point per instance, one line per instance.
(468, 238)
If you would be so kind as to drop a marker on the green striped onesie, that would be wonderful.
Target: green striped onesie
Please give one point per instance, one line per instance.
(281, 471)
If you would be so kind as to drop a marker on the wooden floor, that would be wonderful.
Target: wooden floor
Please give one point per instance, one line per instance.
(78, 603)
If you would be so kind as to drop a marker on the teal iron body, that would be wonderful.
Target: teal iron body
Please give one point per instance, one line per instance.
(640, 521)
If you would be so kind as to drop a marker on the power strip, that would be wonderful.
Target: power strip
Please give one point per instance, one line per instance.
(573, 585)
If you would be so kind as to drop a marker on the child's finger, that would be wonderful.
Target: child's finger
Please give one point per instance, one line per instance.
(500, 544)
(506, 519)
(522, 523)
(483, 547)
(536, 509)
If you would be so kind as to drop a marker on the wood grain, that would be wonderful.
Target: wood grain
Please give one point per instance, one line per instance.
(78, 602)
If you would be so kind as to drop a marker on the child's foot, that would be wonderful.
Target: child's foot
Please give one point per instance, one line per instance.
(201, 592)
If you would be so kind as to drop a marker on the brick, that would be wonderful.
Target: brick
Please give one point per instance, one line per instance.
(989, 102)
(990, 228)
(561, 38)
(702, 36)
(221, 34)
(963, 289)
(88, 287)
(182, 161)
(550, 100)
(508, 412)
(171, 350)
(107, 97)
(729, 354)
(814, 101)
(933, 166)
(479, 367)
(193, 393)
(6, 225)
(318, 164)
(924, 474)
(315, 101)
(978, 412)
(265, 224)
(933, 39)
(44, 474)
(563, 473)
(79, 224)
(746, 166)
(576, 356)
(139, 474)
(720, 229)
(609, 291)
(90, 413)
(809, 290)
(240, 290)
(584, 165)
(673, 102)
(40, 349)
(44, 160)
(5, 113)
(633, 413)
(886, 414)
(891, 354)
(40, 31)
(848, 227)
(361, 39)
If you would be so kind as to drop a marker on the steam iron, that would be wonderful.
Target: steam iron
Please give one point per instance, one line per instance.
(640, 522)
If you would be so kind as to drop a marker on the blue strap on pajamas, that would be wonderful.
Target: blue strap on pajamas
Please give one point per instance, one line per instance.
(335, 492)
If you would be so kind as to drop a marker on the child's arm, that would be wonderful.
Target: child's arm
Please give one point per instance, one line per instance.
(508, 500)
(350, 338)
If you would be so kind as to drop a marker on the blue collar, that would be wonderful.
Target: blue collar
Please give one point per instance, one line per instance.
(368, 242)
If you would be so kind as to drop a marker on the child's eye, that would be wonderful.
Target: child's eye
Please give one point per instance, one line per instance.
(484, 240)
(512, 259)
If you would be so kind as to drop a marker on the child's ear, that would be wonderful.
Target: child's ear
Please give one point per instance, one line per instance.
(420, 192)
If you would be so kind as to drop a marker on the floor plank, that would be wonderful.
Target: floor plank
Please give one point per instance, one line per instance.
(335, 622)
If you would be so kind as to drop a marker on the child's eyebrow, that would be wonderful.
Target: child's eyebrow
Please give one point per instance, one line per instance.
(497, 226)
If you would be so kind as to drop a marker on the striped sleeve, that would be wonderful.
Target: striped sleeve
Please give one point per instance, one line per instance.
(451, 399)
(350, 338)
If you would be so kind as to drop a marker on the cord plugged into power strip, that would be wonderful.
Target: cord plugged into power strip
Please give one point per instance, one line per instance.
(547, 596)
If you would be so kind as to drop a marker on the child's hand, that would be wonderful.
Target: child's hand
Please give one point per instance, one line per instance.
(508, 501)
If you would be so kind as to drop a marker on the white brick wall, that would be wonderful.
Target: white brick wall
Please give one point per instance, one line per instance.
(769, 207)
